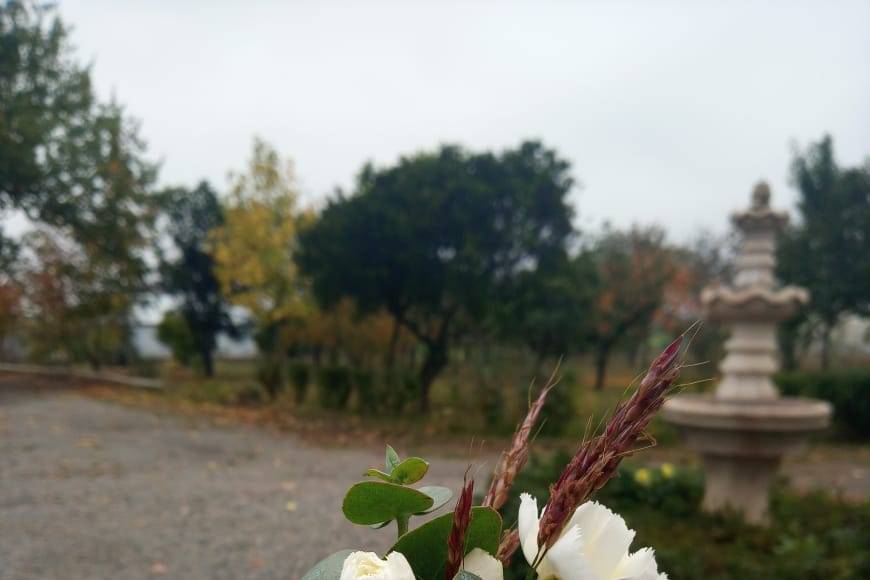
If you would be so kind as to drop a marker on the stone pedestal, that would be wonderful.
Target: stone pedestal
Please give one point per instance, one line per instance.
(742, 443)
(744, 429)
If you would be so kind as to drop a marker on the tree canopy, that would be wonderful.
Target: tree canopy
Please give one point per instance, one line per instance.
(826, 250)
(434, 237)
(192, 215)
(633, 269)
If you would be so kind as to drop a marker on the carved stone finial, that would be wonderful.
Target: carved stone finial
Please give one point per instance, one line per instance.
(761, 196)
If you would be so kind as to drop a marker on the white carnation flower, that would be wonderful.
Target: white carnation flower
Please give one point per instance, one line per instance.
(368, 566)
(483, 565)
(593, 546)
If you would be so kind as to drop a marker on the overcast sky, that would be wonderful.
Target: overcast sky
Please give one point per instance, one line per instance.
(668, 111)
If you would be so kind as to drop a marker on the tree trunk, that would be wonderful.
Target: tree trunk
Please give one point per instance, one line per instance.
(394, 341)
(601, 356)
(436, 360)
(207, 362)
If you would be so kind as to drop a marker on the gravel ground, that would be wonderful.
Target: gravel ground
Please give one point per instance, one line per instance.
(92, 490)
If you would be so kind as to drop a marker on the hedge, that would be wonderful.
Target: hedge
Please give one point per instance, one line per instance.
(848, 391)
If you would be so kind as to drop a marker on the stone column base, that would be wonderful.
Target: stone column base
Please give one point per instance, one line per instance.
(740, 483)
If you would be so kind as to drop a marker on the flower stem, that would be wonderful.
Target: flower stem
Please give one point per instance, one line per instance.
(402, 525)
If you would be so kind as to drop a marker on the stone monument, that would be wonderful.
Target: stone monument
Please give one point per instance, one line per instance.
(744, 428)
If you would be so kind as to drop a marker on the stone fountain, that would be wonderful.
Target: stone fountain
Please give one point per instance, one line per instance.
(744, 428)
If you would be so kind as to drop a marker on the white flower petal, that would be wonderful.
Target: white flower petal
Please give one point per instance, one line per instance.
(527, 526)
(606, 537)
(639, 566)
(566, 557)
(369, 565)
(398, 567)
(483, 565)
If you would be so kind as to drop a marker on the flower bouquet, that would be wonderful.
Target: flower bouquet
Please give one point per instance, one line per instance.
(571, 538)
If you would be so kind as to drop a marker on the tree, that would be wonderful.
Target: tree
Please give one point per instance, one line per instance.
(254, 250)
(46, 104)
(550, 308)
(88, 273)
(823, 252)
(78, 306)
(434, 238)
(633, 269)
(704, 261)
(192, 215)
(76, 166)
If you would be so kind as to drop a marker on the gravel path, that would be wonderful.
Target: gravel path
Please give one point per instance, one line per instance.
(92, 491)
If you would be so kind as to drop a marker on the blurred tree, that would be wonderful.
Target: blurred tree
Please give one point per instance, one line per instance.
(826, 252)
(46, 106)
(78, 303)
(432, 239)
(550, 308)
(65, 159)
(175, 332)
(633, 269)
(97, 257)
(253, 250)
(10, 312)
(192, 215)
(343, 332)
(704, 261)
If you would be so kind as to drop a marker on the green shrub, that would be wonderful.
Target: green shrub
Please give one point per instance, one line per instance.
(271, 374)
(848, 391)
(174, 332)
(300, 376)
(815, 537)
(397, 388)
(367, 394)
(335, 386)
(560, 410)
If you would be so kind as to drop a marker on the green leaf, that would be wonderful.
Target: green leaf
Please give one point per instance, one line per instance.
(426, 547)
(329, 568)
(379, 474)
(440, 496)
(463, 575)
(375, 502)
(409, 471)
(392, 459)
(379, 526)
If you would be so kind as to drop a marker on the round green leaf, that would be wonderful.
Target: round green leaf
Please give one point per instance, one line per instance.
(440, 496)
(392, 458)
(329, 568)
(374, 502)
(465, 575)
(409, 471)
(379, 474)
(426, 547)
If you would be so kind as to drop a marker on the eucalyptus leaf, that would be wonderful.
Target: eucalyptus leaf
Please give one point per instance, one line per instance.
(379, 474)
(329, 568)
(392, 459)
(440, 496)
(426, 547)
(375, 502)
(379, 526)
(409, 471)
(463, 575)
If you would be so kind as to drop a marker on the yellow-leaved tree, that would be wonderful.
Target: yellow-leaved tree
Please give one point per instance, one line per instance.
(254, 254)
(253, 249)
